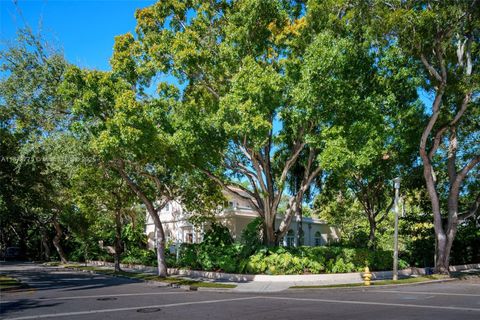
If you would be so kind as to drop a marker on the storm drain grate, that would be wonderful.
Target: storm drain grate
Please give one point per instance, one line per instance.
(148, 310)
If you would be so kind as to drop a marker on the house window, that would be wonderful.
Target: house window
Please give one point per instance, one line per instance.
(318, 238)
(167, 207)
(189, 238)
(290, 238)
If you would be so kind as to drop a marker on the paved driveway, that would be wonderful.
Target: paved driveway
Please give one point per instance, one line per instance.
(61, 294)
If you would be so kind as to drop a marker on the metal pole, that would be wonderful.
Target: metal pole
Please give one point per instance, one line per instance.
(395, 235)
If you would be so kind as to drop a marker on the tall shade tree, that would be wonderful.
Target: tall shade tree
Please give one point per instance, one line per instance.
(244, 67)
(384, 135)
(443, 37)
(131, 134)
(224, 54)
(30, 111)
(98, 190)
(121, 132)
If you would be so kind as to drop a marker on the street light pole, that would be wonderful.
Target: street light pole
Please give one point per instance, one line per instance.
(396, 185)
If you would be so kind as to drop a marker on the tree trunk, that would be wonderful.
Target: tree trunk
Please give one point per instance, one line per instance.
(442, 255)
(287, 219)
(153, 212)
(161, 262)
(162, 265)
(46, 247)
(299, 218)
(442, 264)
(56, 240)
(294, 207)
(373, 228)
(445, 235)
(118, 240)
(444, 246)
(270, 238)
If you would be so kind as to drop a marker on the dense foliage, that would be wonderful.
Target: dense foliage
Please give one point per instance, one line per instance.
(284, 260)
(296, 107)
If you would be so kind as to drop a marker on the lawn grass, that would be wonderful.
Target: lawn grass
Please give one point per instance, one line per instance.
(9, 283)
(52, 263)
(151, 277)
(378, 282)
(464, 275)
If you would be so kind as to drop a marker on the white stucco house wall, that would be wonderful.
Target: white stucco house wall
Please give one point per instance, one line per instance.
(236, 215)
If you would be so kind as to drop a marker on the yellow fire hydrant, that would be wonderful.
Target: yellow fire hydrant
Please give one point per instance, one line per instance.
(367, 276)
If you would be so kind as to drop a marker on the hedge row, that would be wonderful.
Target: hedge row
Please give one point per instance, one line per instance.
(282, 260)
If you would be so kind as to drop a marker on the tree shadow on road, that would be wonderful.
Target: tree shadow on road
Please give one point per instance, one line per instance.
(23, 304)
(48, 279)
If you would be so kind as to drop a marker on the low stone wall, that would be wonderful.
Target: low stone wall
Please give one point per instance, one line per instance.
(465, 267)
(137, 267)
(339, 278)
(182, 272)
(413, 271)
(214, 275)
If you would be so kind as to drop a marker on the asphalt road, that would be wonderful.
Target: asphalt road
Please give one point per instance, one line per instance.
(61, 294)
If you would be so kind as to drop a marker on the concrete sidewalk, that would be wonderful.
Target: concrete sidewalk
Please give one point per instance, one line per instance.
(276, 283)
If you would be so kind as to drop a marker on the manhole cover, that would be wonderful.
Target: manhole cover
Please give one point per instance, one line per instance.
(107, 299)
(148, 310)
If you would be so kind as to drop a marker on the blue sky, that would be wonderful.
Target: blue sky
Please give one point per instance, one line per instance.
(84, 29)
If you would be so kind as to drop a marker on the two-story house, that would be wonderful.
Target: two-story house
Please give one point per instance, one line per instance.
(236, 214)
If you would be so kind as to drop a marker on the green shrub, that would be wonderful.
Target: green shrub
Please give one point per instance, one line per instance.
(205, 256)
(140, 256)
(87, 249)
(217, 235)
(251, 237)
(281, 260)
(277, 260)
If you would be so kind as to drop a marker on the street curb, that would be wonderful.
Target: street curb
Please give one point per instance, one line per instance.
(23, 288)
(156, 282)
(376, 286)
(162, 284)
(215, 289)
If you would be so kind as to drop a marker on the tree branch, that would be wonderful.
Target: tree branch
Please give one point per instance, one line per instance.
(165, 192)
(430, 68)
(209, 88)
(251, 176)
(258, 169)
(298, 147)
(473, 209)
(441, 60)
(469, 166)
(268, 165)
(441, 131)
(452, 155)
(120, 166)
(386, 212)
(463, 108)
(251, 157)
(431, 123)
(468, 54)
(308, 177)
(437, 141)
